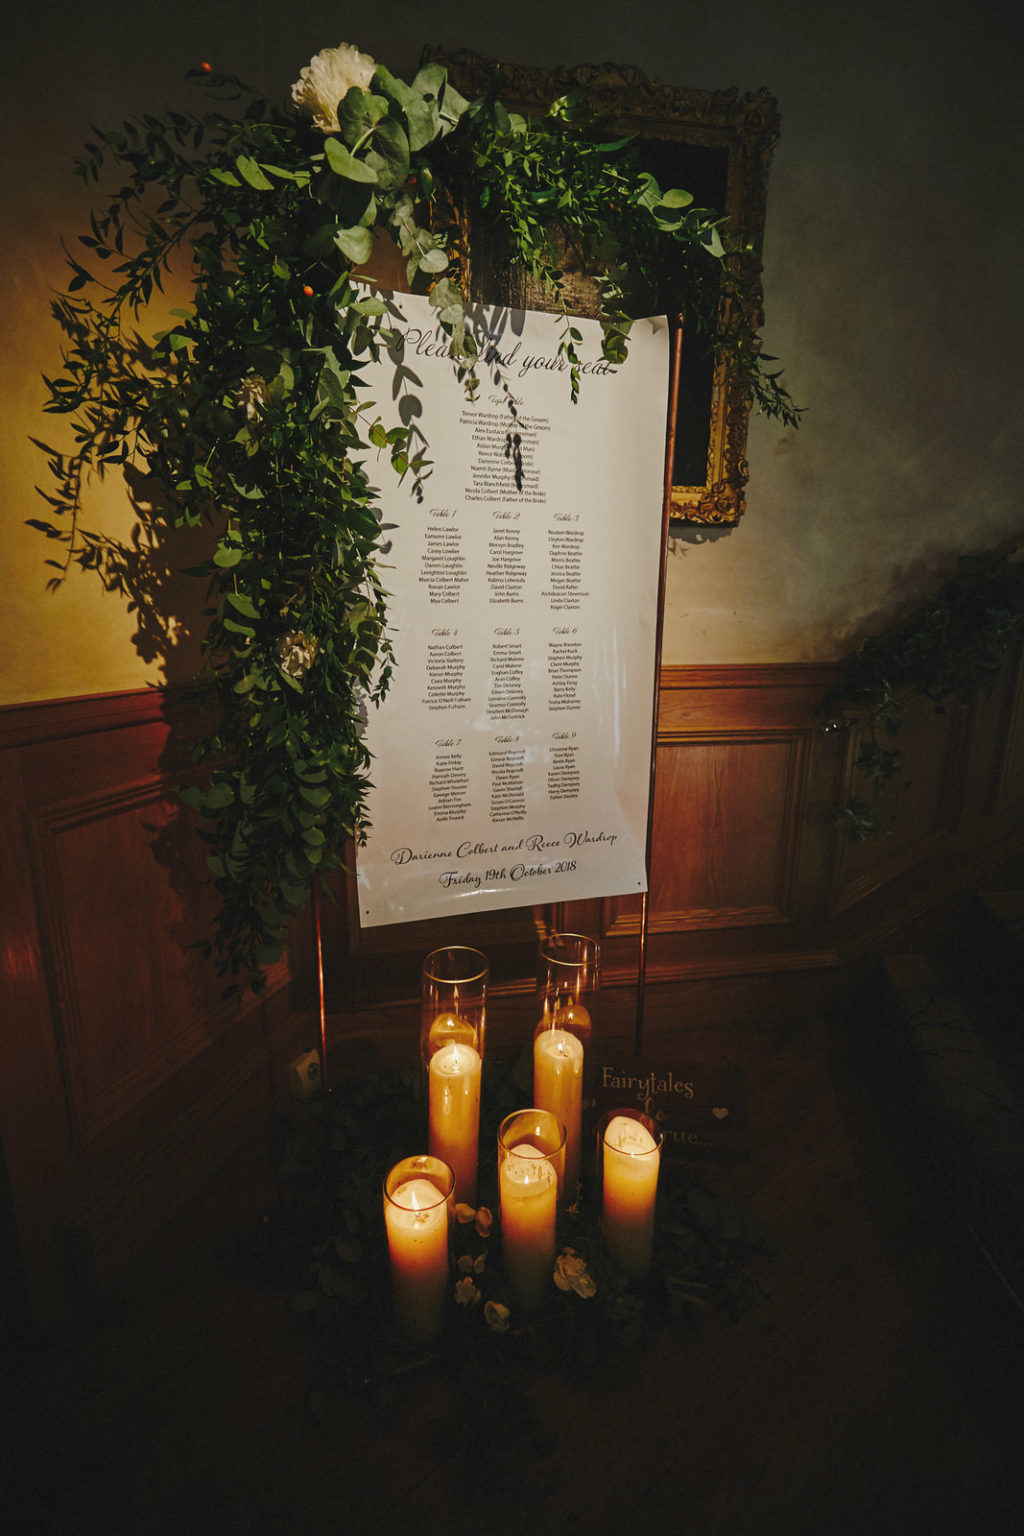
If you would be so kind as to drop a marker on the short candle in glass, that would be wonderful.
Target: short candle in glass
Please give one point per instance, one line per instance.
(629, 1151)
(531, 1167)
(419, 1198)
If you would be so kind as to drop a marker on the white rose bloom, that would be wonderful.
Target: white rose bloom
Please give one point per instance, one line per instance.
(296, 653)
(326, 80)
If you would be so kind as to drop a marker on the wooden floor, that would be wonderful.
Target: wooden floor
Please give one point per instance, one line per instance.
(877, 1389)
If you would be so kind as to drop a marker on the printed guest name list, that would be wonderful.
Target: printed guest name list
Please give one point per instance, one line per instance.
(511, 757)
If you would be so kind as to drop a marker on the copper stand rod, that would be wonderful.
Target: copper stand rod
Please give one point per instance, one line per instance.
(321, 998)
(666, 513)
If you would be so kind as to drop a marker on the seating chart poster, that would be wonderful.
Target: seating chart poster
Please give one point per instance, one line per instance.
(511, 755)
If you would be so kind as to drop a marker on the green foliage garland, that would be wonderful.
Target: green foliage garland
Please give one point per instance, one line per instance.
(246, 413)
(950, 648)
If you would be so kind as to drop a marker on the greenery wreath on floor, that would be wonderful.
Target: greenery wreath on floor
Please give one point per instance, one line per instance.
(327, 1241)
(246, 412)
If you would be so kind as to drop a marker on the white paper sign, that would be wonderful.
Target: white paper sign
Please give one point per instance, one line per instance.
(511, 756)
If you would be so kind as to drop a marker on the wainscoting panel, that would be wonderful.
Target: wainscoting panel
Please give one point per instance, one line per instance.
(120, 1055)
(1007, 787)
(919, 811)
(732, 802)
(744, 786)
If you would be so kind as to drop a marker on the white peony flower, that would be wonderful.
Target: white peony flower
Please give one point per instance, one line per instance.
(327, 79)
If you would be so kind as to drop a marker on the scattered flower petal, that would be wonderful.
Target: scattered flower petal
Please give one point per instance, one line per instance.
(497, 1316)
(571, 1274)
(464, 1213)
(465, 1265)
(484, 1221)
(466, 1293)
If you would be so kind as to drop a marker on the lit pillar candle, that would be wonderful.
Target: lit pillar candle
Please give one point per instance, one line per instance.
(448, 1027)
(558, 1087)
(416, 1217)
(455, 1114)
(631, 1158)
(528, 1192)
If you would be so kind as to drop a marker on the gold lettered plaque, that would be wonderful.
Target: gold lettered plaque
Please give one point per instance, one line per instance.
(700, 1108)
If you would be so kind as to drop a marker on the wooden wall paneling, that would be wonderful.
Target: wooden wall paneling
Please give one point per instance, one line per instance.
(123, 1042)
(920, 810)
(1006, 788)
(34, 1126)
(726, 809)
(130, 998)
(744, 785)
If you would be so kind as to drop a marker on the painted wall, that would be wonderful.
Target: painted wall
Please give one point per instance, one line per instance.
(892, 287)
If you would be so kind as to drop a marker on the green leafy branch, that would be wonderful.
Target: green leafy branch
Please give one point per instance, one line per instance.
(950, 649)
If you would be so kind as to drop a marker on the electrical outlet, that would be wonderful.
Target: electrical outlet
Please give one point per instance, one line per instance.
(304, 1075)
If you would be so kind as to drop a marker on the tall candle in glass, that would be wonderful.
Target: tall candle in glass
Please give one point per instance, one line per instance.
(531, 1167)
(419, 1199)
(453, 1010)
(629, 1160)
(568, 980)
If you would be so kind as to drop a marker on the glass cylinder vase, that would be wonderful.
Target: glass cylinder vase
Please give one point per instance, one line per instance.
(453, 1015)
(628, 1163)
(531, 1173)
(419, 1203)
(568, 982)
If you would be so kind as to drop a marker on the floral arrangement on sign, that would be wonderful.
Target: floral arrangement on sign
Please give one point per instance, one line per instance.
(246, 414)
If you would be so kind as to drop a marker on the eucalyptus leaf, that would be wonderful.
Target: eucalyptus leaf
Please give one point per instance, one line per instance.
(389, 153)
(421, 115)
(343, 163)
(675, 198)
(356, 244)
(358, 113)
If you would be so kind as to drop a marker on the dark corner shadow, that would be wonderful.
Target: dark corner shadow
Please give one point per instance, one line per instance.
(909, 585)
(957, 1303)
(682, 532)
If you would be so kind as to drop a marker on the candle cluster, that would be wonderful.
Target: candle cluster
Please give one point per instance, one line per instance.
(539, 1149)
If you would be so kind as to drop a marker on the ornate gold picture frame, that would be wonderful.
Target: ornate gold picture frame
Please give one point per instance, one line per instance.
(717, 145)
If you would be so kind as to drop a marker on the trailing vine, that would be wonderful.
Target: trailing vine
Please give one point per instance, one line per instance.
(245, 413)
(950, 649)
